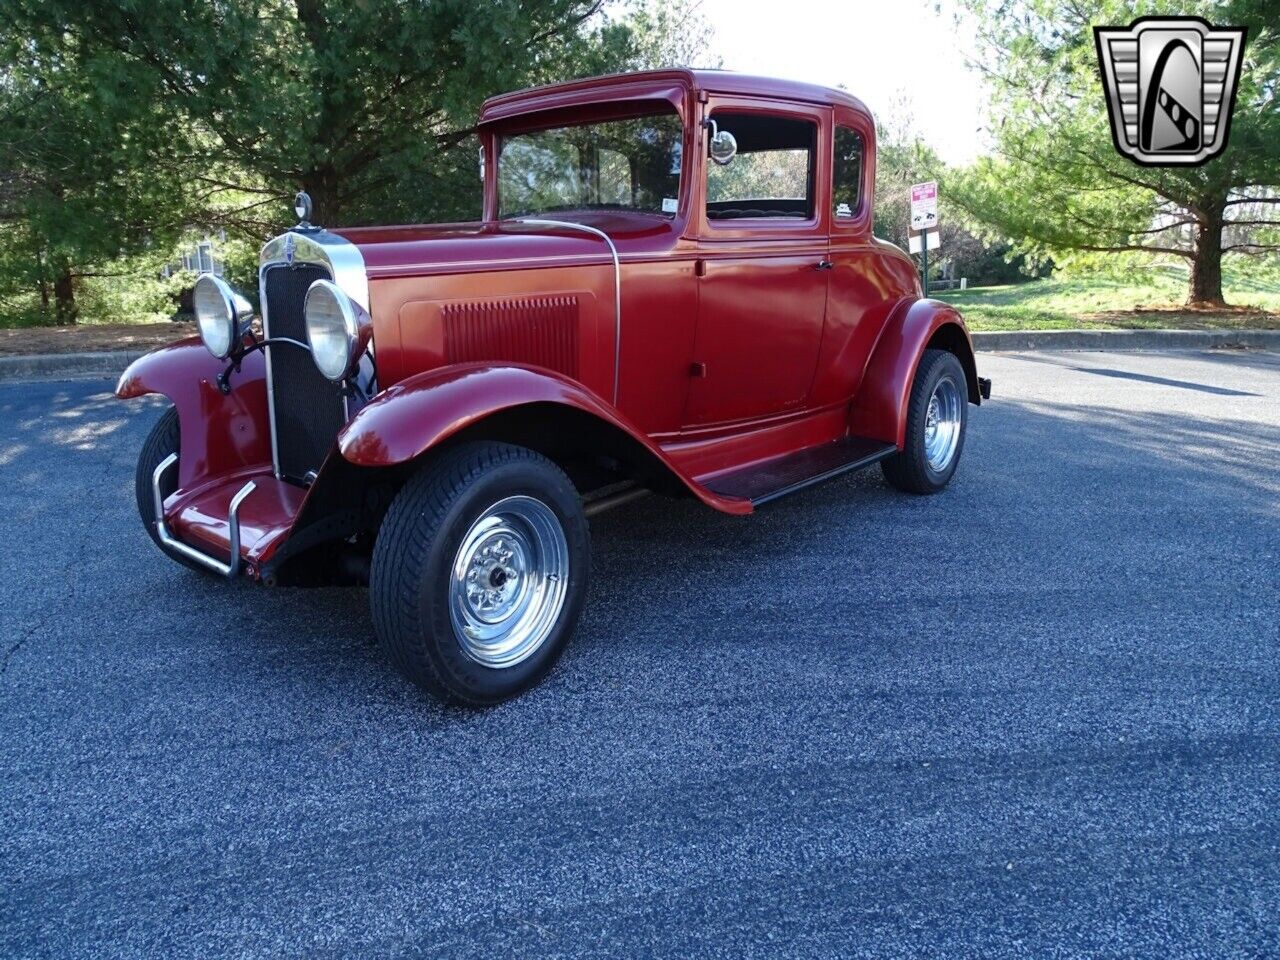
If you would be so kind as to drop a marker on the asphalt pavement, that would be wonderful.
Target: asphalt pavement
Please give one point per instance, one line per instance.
(1035, 716)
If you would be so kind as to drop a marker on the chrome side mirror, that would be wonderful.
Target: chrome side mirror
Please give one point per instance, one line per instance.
(723, 144)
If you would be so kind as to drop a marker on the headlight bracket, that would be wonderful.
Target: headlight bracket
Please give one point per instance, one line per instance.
(235, 358)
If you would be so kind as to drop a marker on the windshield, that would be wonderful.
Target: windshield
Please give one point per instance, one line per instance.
(629, 164)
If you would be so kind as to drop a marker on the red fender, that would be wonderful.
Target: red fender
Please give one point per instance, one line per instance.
(879, 410)
(416, 414)
(220, 432)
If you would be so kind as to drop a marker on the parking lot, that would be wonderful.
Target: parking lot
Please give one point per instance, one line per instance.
(1037, 715)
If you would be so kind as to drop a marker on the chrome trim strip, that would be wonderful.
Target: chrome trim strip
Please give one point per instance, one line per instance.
(266, 357)
(191, 553)
(345, 265)
(617, 288)
(340, 257)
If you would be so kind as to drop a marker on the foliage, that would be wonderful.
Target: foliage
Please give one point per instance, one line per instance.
(136, 289)
(1056, 184)
(902, 159)
(88, 166)
(354, 102)
(1147, 295)
(129, 287)
(667, 33)
(122, 122)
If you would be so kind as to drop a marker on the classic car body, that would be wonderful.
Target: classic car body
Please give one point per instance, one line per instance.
(706, 348)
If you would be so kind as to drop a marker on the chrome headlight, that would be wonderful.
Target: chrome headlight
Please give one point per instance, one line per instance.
(221, 314)
(338, 329)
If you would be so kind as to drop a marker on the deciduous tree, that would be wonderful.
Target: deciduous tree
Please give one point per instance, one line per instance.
(1056, 182)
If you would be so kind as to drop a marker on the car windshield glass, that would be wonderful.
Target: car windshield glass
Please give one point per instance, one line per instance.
(627, 164)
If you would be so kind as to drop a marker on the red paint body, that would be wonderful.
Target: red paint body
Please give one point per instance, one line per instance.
(221, 434)
(734, 347)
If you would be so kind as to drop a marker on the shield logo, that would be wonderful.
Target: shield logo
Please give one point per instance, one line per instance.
(1171, 86)
(290, 245)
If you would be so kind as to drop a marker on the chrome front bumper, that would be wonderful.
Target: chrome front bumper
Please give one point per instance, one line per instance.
(191, 553)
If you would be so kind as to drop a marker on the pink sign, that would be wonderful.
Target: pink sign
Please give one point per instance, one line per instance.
(924, 205)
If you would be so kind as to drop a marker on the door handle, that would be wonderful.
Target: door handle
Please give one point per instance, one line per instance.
(824, 265)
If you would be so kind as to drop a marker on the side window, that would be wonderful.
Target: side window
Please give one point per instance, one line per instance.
(771, 177)
(846, 174)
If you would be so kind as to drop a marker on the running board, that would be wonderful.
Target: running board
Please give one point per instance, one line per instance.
(762, 482)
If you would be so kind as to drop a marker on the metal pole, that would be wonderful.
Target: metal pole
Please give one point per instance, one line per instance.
(924, 251)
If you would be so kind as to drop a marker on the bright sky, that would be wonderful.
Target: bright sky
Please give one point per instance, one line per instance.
(880, 50)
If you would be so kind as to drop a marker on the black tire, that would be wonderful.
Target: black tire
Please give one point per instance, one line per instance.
(909, 469)
(411, 582)
(165, 438)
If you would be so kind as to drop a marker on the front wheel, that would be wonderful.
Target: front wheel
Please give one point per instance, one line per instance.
(479, 572)
(937, 413)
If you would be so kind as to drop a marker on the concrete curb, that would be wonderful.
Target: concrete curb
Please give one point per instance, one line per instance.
(58, 366)
(1005, 341)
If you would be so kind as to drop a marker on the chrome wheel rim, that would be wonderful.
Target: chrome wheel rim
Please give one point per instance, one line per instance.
(942, 425)
(510, 577)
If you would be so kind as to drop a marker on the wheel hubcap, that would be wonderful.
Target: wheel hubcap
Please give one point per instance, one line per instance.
(510, 577)
(942, 425)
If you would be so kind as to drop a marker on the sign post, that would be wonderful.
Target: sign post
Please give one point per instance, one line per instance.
(924, 224)
(924, 267)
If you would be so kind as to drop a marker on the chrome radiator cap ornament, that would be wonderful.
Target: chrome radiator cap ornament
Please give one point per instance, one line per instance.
(1171, 86)
(302, 207)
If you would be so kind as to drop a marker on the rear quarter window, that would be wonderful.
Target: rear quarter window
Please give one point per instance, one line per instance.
(846, 174)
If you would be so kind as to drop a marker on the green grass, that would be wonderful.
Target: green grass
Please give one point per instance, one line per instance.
(1150, 299)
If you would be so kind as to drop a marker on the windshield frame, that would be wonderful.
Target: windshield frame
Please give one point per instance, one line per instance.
(604, 112)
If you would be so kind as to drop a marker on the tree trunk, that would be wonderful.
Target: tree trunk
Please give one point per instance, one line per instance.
(64, 298)
(1206, 267)
(322, 188)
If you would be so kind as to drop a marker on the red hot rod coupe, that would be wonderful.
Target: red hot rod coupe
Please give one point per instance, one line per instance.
(674, 288)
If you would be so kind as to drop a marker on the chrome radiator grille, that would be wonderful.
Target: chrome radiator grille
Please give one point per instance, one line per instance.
(307, 409)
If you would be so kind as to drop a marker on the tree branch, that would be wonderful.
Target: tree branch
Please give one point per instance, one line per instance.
(1122, 248)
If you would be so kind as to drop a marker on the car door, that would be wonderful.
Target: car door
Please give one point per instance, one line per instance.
(762, 263)
(857, 304)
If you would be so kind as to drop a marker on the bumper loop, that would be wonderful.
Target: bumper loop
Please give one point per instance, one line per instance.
(191, 553)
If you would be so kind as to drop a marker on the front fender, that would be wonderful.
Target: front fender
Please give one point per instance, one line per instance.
(415, 415)
(879, 409)
(220, 432)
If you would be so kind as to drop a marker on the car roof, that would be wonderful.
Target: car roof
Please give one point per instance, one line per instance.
(658, 85)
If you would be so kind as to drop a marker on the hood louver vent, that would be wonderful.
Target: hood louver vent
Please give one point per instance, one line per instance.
(541, 331)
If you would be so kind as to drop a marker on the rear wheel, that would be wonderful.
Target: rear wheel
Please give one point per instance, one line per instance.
(164, 439)
(479, 572)
(937, 414)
